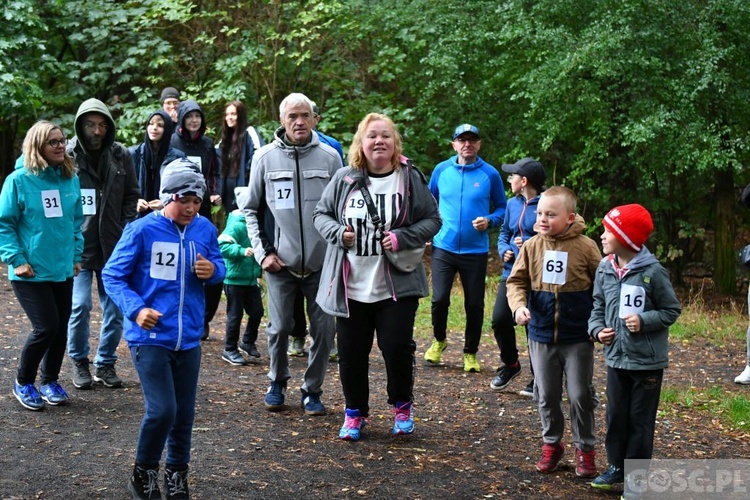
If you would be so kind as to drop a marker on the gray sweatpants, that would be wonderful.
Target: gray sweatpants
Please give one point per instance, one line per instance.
(576, 362)
(282, 288)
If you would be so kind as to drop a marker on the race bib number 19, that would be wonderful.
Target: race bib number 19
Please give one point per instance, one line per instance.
(52, 204)
(555, 267)
(164, 260)
(632, 300)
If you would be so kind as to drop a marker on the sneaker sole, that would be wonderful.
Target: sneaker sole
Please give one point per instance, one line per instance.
(526, 393)
(603, 487)
(472, 370)
(501, 387)
(401, 432)
(248, 353)
(233, 363)
(274, 408)
(102, 381)
(586, 475)
(82, 387)
(28, 407)
(315, 413)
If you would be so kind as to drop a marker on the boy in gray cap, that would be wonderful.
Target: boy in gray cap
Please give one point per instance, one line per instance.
(156, 276)
(170, 101)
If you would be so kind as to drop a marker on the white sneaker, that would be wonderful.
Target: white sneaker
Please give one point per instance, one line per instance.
(744, 377)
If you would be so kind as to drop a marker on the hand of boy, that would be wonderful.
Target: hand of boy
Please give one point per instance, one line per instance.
(606, 336)
(523, 316)
(249, 252)
(204, 269)
(147, 318)
(633, 323)
(508, 255)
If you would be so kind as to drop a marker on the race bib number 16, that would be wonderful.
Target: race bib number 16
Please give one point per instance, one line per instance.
(555, 267)
(632, 300)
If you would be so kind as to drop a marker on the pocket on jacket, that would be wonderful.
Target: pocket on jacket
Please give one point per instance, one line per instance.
(315, 182)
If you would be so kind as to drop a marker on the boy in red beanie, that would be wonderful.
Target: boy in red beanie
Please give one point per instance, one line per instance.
(634, 305)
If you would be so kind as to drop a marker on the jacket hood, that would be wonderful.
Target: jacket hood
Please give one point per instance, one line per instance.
(642, 259)
(153, 158)
(94, 105)
(185, 108)
(575, 229)
(478, 163)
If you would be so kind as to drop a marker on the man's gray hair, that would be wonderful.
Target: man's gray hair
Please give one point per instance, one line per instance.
(292, 100)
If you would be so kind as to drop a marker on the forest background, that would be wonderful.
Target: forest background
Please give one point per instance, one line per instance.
(623, 100)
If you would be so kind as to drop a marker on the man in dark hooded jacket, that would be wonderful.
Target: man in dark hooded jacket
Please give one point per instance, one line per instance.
(109, 192)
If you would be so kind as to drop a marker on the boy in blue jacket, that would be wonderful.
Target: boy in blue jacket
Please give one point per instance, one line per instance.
(240, 285)
(634, 305)
(156, 276)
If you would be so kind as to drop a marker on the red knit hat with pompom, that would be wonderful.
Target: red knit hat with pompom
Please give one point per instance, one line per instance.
(631, 225)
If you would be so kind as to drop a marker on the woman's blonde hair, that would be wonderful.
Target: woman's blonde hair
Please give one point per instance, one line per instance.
(356, 151)
(35, 139)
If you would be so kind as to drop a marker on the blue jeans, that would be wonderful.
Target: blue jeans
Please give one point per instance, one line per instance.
(169, 381)
(78, 327)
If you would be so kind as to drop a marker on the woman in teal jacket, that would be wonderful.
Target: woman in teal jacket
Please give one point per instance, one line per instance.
(41, 241)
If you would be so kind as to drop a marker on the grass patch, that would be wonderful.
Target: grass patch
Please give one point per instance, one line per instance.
(716, 402)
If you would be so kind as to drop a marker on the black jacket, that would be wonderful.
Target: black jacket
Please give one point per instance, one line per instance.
(114, 189)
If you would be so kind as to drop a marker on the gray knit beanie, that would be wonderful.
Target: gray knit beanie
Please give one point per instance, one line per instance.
(181, 177)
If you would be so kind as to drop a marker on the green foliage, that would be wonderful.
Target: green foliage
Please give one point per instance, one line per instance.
(623, 101)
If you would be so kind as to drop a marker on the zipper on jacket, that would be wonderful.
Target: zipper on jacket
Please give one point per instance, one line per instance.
(299, 210)
(182, 286)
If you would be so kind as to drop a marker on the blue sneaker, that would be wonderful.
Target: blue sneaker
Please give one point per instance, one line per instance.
(312, 405)
(28, 396)
(275, 396)
(353, 424)
(404, 421)
(54, 394)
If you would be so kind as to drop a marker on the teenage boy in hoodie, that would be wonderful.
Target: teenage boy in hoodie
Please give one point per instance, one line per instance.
(156, 275)
(634, 306)
(471, 198)
(189, 137)
(109, 193)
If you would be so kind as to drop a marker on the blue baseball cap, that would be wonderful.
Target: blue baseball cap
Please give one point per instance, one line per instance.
(466, 128)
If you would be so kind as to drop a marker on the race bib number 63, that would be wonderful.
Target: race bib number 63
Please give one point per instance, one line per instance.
(555, 267)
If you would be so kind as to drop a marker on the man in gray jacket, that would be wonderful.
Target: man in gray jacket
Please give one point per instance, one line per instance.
(287, 178)
(109, 192)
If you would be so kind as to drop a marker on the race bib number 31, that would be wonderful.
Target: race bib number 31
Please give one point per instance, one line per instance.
(52, 203)
(632, 300)
(164, 260)
(555, 267)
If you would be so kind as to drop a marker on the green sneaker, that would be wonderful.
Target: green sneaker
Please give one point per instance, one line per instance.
(471, 364)
(296, 347)
(435, 353)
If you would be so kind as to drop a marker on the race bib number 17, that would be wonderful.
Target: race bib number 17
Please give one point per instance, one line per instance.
(555, 267)
(283, 195)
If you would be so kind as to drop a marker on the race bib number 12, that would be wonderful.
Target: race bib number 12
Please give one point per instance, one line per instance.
(555, 267)
(164, 260)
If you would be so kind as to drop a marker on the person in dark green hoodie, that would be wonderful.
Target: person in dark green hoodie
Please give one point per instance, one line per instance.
(109, 193)
(240, 286)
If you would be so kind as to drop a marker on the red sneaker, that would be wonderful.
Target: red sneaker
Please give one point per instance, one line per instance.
(551, 455)
(585, 463)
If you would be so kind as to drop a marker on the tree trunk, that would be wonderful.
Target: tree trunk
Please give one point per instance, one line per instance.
(725, 230)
